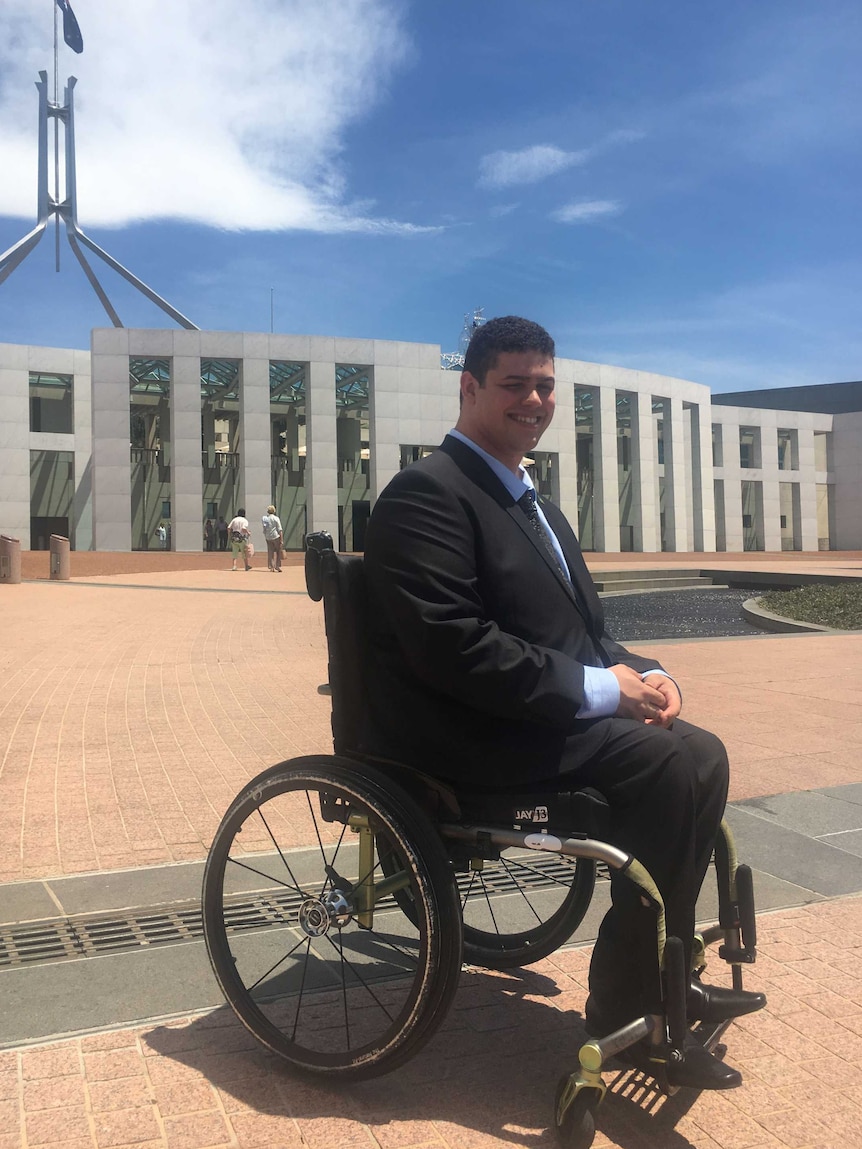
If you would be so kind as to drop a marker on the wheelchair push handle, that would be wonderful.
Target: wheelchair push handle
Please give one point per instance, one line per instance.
(316, 544)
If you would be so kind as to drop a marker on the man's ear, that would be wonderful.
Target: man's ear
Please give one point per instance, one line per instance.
(469, 385)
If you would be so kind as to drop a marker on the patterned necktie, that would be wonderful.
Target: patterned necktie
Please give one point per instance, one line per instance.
(527, 503)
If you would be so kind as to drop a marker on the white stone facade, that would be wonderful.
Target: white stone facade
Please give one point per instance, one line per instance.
(637, 461)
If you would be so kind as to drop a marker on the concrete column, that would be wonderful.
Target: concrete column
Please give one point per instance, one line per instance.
(644, 452)
(83, 500)
(321, 461)
(702, 479)
(675, 485)
(186, 472)
(606, 485)
(255, 437)
(111, 466)
(564, 444)
(847, 491)
(15, 444)
(808, 479)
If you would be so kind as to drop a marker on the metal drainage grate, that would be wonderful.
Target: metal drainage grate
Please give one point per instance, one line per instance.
(63, 939)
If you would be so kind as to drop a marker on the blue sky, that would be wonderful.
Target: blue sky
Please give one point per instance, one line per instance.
(665, 185)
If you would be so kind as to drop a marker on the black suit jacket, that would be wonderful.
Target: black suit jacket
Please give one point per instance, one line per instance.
(477, 643)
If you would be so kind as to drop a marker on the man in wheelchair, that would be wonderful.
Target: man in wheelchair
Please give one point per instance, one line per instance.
(490, 666)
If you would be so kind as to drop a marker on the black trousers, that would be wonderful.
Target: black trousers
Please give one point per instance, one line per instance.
(667, 791)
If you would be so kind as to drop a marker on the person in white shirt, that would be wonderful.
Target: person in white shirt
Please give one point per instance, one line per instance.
(274, 535)
(239, 535)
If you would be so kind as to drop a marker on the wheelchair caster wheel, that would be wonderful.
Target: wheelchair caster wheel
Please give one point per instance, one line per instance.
(576, 1127)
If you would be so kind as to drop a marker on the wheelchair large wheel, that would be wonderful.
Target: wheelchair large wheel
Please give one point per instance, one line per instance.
(523, 906)
(302, 928)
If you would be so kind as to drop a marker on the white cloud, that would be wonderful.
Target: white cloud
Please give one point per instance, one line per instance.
(585, 211)
(527, 166)
(530, 165)
(209, 111)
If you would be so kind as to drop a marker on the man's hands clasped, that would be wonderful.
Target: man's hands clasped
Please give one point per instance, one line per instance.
(654, 700)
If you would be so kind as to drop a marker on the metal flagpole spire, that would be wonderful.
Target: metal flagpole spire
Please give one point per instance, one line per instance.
(49, 206)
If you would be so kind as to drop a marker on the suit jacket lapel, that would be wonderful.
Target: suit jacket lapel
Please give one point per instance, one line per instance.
(586, 594)
(476, 469)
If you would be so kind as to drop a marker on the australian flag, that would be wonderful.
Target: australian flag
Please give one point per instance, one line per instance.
(71, 31)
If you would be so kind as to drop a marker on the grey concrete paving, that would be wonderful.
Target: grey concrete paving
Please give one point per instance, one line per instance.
(792, 841)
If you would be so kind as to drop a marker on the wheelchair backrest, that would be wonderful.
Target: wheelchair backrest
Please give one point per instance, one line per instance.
(340, 581)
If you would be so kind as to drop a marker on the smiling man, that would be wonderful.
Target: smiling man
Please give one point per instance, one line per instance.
(491, 667)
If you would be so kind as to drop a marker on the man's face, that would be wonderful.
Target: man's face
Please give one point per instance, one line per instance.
(508, 416)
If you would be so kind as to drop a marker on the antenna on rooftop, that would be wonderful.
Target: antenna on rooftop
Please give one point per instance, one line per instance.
(51, 206)
(454, 360)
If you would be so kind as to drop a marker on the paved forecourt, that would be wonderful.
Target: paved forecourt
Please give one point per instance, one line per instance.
(138, 703)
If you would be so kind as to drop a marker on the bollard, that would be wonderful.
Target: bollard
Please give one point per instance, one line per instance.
(60, 562)
(10, 559)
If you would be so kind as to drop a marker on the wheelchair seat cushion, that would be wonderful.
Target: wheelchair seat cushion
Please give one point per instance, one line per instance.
(575, 813)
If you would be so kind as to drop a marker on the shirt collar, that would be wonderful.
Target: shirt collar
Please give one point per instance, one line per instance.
(516, 485)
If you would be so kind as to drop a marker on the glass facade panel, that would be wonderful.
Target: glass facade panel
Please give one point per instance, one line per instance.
(585, 460)
(752, 516)
(790, 517)
(824, 517)
(149, 438)
(544, 470)
(625, 471)
(788, 450)
(52, 496)
(661, 419)
(749, 447)
(720, 521)
(287, 398)
(412, 453)
(352, 438)
(51, 403)
(220, 383)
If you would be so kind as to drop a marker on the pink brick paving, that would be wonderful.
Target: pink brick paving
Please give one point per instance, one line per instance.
(129, 717)
(486, 1080)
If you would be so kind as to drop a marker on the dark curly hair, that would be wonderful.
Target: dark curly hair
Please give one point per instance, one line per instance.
(505, 333)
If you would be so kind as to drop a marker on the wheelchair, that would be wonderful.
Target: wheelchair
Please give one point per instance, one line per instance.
(343, 894)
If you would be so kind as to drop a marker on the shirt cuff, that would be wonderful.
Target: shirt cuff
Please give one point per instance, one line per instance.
(664, 674)
(601, 693)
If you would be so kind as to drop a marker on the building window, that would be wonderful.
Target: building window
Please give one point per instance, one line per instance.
(353, 450)
(717, 447)
(51, 403)
(788, 450)
(749, 447)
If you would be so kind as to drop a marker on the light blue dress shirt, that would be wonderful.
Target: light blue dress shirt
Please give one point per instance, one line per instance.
(601, 689)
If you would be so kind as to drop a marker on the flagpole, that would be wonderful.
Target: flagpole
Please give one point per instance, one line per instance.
(56, 141)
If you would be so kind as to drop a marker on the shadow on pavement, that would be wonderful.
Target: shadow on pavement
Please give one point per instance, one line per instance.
(492, 1069)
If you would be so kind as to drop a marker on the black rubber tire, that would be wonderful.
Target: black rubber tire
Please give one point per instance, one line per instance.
(348, 1002)
(578, 1127)
(501, 948)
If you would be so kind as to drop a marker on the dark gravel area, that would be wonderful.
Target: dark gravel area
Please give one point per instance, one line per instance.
(711, 613)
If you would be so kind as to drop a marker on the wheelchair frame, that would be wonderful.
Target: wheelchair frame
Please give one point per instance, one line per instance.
(398, 916)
